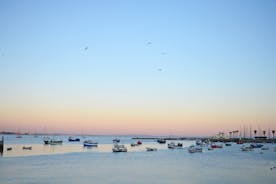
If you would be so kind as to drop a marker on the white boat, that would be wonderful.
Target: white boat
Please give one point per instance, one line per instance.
(195, 149)
(48, 140)
(151, 149)
(119, 148)
(171, 145)
(90, 143)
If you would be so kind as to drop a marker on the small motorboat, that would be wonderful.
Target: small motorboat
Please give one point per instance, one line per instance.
(119, 148)
(19, 136)
(116, 140)
(172, 145)
(49, 141)
(73, 139)
(90, 143)
(151, 149)
(9, 148)
(214, 146)
(139, 142)
(256, 145)
(27, 147)
(195, 149)
(179, 145)
(246, 148)
(161, 141)
(134, 144)
(228, 144)
(199, 142)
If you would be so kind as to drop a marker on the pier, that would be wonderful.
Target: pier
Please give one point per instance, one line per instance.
(206, 139)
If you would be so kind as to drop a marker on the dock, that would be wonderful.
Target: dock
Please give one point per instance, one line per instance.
(207, 139)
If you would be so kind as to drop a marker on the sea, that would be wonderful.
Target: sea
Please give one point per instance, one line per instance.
(72, 163)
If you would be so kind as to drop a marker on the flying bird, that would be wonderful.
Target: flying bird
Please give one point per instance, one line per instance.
(86, 48)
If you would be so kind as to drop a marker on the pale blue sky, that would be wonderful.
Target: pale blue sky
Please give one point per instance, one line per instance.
(218, 55)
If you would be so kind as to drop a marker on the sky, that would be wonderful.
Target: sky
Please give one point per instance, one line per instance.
(137, 67)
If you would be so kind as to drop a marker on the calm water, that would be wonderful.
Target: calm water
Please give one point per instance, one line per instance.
(71, 163)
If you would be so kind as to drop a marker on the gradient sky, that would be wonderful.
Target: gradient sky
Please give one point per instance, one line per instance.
(137, 67)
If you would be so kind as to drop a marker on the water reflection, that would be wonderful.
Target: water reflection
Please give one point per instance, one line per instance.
(40, 149)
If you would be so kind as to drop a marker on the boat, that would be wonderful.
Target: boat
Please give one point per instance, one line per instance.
(216, 146)
(119, 148)
(246, 148)
(139, 142)
(116, 140)
(179, 145)
(27, 147)
(49, 141)
(172, 145)
(73, 139)
(55, 142)
(9, 148)
(151, 149)
(195, 149)
(256, 145)
(90, 143)
(133, 144)
(161, 141)
(19, 136)
(228, 144)
(199, 142)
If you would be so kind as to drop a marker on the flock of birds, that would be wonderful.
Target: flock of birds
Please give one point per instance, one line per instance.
(148, 43)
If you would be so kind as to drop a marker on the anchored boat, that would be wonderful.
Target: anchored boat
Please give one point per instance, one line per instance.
(90, 143)
(151, 149)
(27, 147)
(73, 139)
(49, 141)
(119, 148)
(195, 149)
(161, 141)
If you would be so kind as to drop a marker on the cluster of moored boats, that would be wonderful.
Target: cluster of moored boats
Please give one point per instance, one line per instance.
(117, 147)
(211, 146)
(253, 146)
